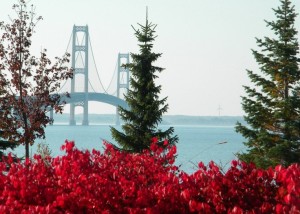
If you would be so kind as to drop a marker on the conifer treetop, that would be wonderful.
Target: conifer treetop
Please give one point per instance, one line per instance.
(145, 111)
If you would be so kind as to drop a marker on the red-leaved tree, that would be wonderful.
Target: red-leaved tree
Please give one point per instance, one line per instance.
(28, 83)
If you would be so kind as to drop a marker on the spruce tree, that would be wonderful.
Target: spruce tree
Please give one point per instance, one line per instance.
(273, 107)
(145, 110)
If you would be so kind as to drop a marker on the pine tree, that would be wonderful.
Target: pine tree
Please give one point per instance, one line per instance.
(273, 107)
(145, 108)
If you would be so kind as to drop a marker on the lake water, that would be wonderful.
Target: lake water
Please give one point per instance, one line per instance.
(196, 143)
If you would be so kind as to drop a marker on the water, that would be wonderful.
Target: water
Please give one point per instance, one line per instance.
(196, 143)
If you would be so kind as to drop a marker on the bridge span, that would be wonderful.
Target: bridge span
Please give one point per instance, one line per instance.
(78, 98)
(82, 64)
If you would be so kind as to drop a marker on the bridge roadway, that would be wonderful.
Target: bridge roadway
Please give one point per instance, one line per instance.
(78, 97)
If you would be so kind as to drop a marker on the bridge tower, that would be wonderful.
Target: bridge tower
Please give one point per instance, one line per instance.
(122, 79)
(82, 49)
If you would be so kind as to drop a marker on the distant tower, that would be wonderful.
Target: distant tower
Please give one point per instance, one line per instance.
(83, 69)
(219, 110)
(123, 79)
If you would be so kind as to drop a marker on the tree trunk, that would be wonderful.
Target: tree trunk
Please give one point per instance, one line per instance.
(26, 150)
(26, 136)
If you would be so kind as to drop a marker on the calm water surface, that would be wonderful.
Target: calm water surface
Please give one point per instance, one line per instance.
(196, 143)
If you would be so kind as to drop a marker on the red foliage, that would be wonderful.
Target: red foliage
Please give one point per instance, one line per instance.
(118, 182)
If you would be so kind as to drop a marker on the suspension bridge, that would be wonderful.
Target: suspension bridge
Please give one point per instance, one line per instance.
(83, 89)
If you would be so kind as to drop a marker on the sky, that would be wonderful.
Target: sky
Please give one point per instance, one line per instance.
(205, 44)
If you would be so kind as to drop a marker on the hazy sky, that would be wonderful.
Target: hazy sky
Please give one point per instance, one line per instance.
(206, 44)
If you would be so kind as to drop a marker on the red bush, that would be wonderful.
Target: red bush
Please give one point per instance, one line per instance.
(118, 182)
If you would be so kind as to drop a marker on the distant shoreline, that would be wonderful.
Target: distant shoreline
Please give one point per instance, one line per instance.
(109, 119)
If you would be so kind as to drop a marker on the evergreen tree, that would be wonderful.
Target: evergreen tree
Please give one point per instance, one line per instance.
(273, 107)
(145, 108)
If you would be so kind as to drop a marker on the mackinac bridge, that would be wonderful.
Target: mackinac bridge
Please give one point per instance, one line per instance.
(83, 89)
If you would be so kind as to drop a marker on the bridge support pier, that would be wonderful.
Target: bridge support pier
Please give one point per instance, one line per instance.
(85, 121)
(80, 52)
(123, 79)
(72, 121)
(81, 49)
(117, 117)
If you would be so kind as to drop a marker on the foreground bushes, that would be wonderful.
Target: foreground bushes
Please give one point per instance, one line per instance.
(117, 182)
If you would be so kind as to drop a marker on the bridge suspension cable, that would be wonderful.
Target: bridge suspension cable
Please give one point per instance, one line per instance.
(96, 66)
(92, 86)
(113, 77)
(66, 52)
(79, 55)
(76, 56)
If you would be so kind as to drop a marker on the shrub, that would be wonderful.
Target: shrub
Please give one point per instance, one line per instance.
(118, 182)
